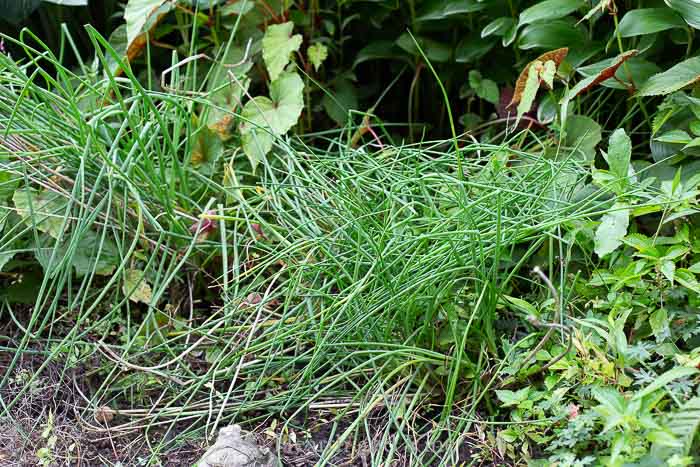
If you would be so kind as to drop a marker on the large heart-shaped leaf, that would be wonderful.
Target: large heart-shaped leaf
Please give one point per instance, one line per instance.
(548, 10)
(648, 21)
(266, 117)
(142, 15)
(277, 46)
(689, 10)
(677, 77)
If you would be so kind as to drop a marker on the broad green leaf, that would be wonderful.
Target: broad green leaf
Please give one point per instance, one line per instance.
(86, 255)
(659, 324)
(612, 230)
(142, 15)
(549, 10)
(512, 398)
(649, 21)
(240, 7)
(317, 54)
(438, 52)
(551, 35)
(265, 117)
(522, 305)
(674, 137)
(687, 279)
(668, 269)
(135, 286)
(582, 133)
(441, 9)
(277, 46)
(484, 88)
(379, 50)
(343, 99)
(498, 27)
(619, 153)
(43, 209)
(677, 77)
(472, 48)
(664, 379)
(688, 9)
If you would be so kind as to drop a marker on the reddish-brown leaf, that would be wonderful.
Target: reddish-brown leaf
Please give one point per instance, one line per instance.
(603, 75)
(557, 56)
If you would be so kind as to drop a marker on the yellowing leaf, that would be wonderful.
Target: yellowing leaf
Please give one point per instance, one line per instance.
(557, 56)
(42, 209)
(141, 15)
(135, 286)
(277, 45)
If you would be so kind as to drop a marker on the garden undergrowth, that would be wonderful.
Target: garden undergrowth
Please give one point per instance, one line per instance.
(424, 304)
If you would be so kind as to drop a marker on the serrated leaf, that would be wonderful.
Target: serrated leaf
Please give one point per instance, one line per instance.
(668, 269)
(687, 279)
(548, 10)
(659, 324)
(278, 44)
(266, 117)
(619, 153)
(664, 379)
(135, 286)
(42, 209)
(677, 77)
(611, 231)
(317, 54)
(684, 424)
(484, 88)
(649, 21)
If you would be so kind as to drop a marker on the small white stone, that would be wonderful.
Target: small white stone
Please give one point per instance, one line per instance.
(233, 450)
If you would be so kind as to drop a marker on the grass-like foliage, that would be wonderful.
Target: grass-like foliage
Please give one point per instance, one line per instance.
(170, 286)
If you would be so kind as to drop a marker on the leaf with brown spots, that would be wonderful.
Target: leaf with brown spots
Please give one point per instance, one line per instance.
(557, 56)
(603, 75)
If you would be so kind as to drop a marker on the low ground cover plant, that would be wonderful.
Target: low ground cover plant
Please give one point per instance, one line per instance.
(373, 233)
